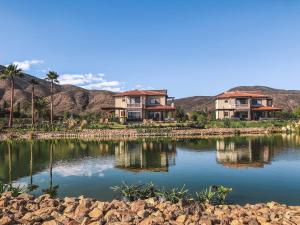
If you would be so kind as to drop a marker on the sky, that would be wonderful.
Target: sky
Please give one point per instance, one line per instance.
(190, 47)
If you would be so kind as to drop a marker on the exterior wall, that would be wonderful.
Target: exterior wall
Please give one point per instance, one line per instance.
(124, 106)
(229, 106)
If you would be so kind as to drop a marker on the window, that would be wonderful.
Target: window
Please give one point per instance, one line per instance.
(226, 101)
(270, 102)
(256, 102)
(154, 101)
(226, 114)
(135, 100)
(241, 101)
(134, 115)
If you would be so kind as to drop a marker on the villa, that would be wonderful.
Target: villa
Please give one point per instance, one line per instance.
(140, 105)
(244, 106)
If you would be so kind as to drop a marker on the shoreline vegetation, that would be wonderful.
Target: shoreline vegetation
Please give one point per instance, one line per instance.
(136, 133)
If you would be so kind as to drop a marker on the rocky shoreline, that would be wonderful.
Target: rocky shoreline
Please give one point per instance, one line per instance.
(27, 209)
(138, 133)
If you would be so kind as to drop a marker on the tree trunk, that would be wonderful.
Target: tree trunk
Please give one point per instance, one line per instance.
(11, 111)
(51, 104)
(32, 105)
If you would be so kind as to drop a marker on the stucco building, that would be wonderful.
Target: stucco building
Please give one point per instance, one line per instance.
(245, 106)
(137, 105)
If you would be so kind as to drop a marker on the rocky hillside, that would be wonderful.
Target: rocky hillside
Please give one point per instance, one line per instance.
(287, 99)
(68, 98)
(77, 100)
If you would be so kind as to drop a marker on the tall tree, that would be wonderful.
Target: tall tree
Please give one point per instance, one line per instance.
(11, 72)
(33, 82)
(52, 77)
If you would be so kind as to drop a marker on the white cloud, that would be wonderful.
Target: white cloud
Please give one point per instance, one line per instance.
(90, 81)
(26, 65)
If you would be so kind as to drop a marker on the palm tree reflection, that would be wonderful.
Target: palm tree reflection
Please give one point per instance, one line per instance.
(51, 190)
(31, 186)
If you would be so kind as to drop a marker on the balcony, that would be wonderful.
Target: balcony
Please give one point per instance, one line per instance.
(242, 106)
(134, 105)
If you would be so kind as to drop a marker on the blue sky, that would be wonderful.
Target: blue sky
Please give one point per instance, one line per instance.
(189, 47)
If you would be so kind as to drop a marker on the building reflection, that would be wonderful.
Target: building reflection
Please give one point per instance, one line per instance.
(245, 154)
(145, 156)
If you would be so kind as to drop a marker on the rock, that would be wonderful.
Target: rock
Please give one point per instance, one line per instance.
(96, 213)
(151, 201)
(26, 196)
(147, 221)
(28, 216)
(181, 219)
(236, 222)
(52, 222)
(5, 220)
(4, 202)
(137, 206)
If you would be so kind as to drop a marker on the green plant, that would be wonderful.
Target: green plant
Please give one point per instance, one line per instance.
(213, 195)
(174, 195)
(128, 192)
(15, 190)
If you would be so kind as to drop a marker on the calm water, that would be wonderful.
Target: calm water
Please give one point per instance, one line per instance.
(259, 169)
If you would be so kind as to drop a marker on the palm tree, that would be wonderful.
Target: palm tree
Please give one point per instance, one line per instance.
(52, 77)
(11, 72)
(33, 82)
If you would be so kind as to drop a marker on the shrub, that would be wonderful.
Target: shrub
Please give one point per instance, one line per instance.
(213, 195)
(15, 190)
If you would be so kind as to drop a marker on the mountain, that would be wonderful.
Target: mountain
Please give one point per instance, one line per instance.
(67, 98)
(76, 100)
(286, 99)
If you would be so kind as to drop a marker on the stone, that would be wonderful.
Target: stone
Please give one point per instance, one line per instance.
(28, 216)
(96, 213)
(236, 222)
(52, 222)
(181, 219)
(137, 206)
(5, 220)
(147, 221)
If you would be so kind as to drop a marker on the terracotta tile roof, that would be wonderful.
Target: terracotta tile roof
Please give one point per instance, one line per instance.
(142, 92)
(266, 108)
(235, 94)
(160, 107)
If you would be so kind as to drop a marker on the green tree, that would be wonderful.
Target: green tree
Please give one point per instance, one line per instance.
(41, 105)
(296, 112)
(11, 72)
(180, 114)
(33, 82)
(52, 77)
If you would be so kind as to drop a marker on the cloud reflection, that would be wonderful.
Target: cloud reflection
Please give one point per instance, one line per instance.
(88, 168)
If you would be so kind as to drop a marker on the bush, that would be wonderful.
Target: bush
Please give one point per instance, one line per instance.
(212, 195)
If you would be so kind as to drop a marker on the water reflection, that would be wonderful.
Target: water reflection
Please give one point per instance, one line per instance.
(145, 156)
(244, 154)
(75, 167)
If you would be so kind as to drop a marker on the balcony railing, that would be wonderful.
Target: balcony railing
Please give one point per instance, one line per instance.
(239, 105)
(134, 105)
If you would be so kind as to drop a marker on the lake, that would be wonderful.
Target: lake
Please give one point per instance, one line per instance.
(258, 168)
